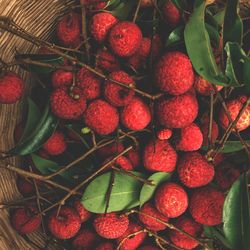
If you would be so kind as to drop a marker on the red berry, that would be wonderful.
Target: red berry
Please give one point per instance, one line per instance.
(205, 132)
(164, 134)
(171, 13)
(124, 163)
(135, 158)
(111, 149)
(86, 239)
(83, 213)
(56, 144)
(25, 186)
(61, 78)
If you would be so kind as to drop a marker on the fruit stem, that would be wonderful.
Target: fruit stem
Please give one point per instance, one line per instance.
(137, 10)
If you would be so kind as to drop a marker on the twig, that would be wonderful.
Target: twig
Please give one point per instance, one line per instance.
(109, 191)
(210, 128)
(137, 10)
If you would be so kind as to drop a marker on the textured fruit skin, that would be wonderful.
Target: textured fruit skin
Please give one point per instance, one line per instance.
(89, 84)
(11, 88)
(194, 170)
(101, 117)
(111, 149)
(85, 239)
(111, 225)
(65, 225)
(136, 115)
(174, 73)
(101, 24)
(205, 132)
(124, 163)
(171, 13)
(234, 107)
(149, 222)
(171, 200)
(106, 246)
(24, 220)
(56, 144)
(206, 205)
(134, 242)
(25, 186)
(68, 29)
(189, 138)
(81, 210)
(66, 107)
(178, 111)
(61, 78)
(189, 226)
(164, 134)
(135, 157)
(115, 94)
(225, 175)
(159, 156)
(106, 61)
(125, 38)
(204, 87)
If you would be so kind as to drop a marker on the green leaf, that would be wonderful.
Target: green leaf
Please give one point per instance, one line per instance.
(180, 4)
(233, 26)
(125, 193)
(199, 48)
(219, 17)
(52, 59)
(236, 215)
(246, 74)
(42, 132)
(175, 36)
(213, 35)
(147, 191)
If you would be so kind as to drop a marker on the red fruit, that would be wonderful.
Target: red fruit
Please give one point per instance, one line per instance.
(89, 84)
(122, 162)
(65, 106)
(204, 87)
(206, 205)
(190, 138)
(125, 38)
(234, 107)
(25, 186)
(136, 115)
(189, 226)
(65, 225)
(174, 73)
(205, 132)
(132, 243)
(147, 3)
(164, 134)
(86, 239)
(115, 94)
(61, 78)
(107, 61)
(149, 247)
(171, 13)
(69, 29)
(101, 24)
(150, 222)
(11, 88)
(56, 144)
(18, 132)
(101, 117)
(225, 175)
(171, 200)
(111, 149)
(194, 170)
(111, 225)
(106, 246)
(83, 213)
(178, 111)
(135, 158)
(24, 220)
(159, 156)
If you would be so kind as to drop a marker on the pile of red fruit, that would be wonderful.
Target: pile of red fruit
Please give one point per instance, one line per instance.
(111, 96)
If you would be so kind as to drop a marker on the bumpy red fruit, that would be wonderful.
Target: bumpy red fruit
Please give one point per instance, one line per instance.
(149, 222)
(124, 163)
(134, 242)
(61, 78)
(234, 107)
(136, 115)
(111, 226)
(194, 170)
(65, 225)
(159, 156)
(189, 138)
(106, 246)
(178, 111)
(101, 24)
(69, 29)
(206, 205)
(65, 106)
(85, 239)
(125, 38)
(174, 73)
(135, 157)
(205, 132)
(164, 134)
(25, 220)
(25, 186)
(89, 84)
(171, 13)
(189, 226)
(101, 117)
(115, 94)
(111, 149)
(56, 144)
(11, 88)
(83, 213)
(171, 200)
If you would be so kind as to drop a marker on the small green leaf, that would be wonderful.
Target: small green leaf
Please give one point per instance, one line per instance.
(236, 215)
(148, 191)
(176, 36)
(213, 35)
(125, 193)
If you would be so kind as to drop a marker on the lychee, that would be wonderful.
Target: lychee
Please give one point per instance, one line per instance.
(25, 186)
(124, 163)
(111, 149)
(61, 78)
(85, 239)
(106, 246)
(164, 134)
(83, 213)
(171, 13)
(205, 132)
(135, 157)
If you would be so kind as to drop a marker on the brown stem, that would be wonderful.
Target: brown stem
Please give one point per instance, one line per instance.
(210, 128)
(137, 10)
(109, 191)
